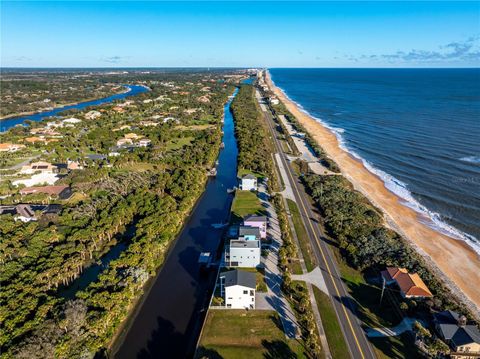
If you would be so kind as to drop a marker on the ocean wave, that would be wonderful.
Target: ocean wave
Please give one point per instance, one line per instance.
(471, 159)
(433, 219)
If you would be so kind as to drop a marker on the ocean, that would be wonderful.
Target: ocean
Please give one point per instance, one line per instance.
(417, 129)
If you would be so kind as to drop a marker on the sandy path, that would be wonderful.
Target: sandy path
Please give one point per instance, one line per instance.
(458, 264)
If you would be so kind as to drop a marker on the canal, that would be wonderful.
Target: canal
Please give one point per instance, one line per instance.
(132, 90)
(169, 320)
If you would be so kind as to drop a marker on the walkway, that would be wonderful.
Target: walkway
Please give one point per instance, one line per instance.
(314, 277)
(405, 325)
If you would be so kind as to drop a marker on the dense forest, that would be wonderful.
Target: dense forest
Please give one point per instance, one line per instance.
(139, 197)
(254, 148)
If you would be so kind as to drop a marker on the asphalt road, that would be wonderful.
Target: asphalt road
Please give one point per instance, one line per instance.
(343, 304)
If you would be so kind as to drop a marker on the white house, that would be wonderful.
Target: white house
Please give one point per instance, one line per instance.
(238, 288)
(144, 142)
(243, 253)
(72, 120)
(248, 183)
(92, 115)
(43, 167)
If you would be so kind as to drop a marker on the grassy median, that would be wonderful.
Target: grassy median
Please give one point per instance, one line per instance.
(333, 332)
(303, 239)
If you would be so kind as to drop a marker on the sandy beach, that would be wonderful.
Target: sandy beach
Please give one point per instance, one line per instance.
(453, 260)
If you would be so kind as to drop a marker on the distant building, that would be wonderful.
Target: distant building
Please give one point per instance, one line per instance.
(43, 167)
(10, 147)
(28, 212)
(463, 339)
(62, 192)
(248, 183)
(243, 253)
(257, 221)
(74, 165)
(411, 285)
(238, 288)
(72, 120)
(124, 141)
(96, 157)
(34, 140)
(92, 115)
(274, 101)
(144, 142)
(118, 109)
(133, 136)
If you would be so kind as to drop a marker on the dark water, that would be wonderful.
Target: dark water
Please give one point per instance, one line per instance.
(10, 122)
(168, 323)
(418, 129)
(91, 273)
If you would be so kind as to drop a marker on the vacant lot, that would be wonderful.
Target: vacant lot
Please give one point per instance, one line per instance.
(246, 202)
(242, 334)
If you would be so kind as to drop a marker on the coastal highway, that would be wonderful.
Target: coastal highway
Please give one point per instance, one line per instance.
(343, 304)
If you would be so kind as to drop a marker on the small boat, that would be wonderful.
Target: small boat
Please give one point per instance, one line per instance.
(212, 172)
(231, 190)
(219, 225)
(222, 145)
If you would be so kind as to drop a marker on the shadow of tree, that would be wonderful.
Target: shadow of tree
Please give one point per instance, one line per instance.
(207, 353)
(277, 349)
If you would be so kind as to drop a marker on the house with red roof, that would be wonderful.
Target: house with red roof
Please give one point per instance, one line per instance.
(411, 285)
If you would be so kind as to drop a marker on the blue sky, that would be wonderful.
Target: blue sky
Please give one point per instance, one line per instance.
(267, 34)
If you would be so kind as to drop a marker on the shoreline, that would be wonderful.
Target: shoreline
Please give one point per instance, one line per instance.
(31, 113)
(453, 260)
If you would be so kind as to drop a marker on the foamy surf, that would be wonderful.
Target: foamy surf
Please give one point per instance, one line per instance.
(433, 219)
(471, 159)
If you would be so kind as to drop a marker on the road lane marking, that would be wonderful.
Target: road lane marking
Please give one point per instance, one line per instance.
(294, 185)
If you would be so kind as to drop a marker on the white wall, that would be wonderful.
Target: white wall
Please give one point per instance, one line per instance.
(235, 297)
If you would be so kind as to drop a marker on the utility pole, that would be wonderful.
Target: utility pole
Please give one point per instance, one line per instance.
(383, 289)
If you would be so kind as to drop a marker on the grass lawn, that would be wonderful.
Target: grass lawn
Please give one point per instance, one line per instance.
(400, 347)
(242, 172)
(178, 143)
(245, 202)
(194, 127)
(239, 334)
(137, 166)
(333, 332)
(295, 266)
(302, 236)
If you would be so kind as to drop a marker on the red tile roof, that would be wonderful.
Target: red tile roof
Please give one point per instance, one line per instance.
(410, 284)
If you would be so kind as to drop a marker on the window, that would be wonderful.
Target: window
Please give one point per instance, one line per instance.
(252, 293)
(230, 297)
(245, 292)
(229, 305)
(253, 299)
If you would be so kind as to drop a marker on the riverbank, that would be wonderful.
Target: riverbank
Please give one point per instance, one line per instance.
(31, 113)
(457, 269)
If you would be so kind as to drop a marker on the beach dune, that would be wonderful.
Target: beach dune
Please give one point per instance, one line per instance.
(453, 260)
